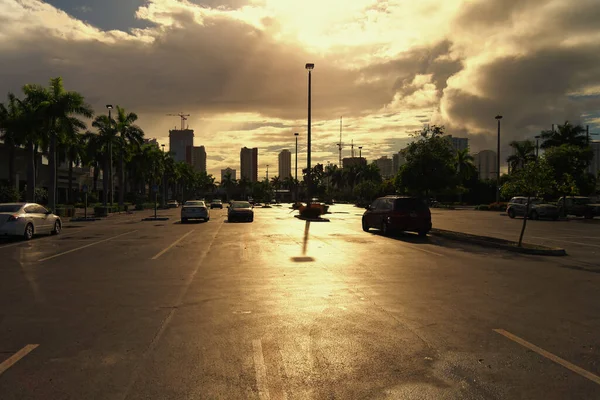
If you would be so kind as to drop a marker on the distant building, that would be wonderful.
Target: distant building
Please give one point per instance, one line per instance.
(485, 162)
(350, 161)
(385, 166)
(249, 163)
(181, 143)
(228, 171)
(398, 160)
(594, 167)
(199, 158)
(285, 164)
(458, 144)
(152, 141)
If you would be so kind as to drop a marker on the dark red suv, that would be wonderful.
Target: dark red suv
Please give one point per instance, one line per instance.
(398, 213)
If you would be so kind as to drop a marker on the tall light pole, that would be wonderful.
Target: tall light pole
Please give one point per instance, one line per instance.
(267, 172)
(164, 178)
(309, 67)
(360, 152)
(110, 156)
(498, 118)
(296, 169)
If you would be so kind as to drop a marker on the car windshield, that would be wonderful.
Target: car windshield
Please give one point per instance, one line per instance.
(9, 208)
(217, 201)
(194, 203)
(410, 204)
(240, 204)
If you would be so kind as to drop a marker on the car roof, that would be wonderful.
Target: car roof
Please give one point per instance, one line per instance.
(391, 196)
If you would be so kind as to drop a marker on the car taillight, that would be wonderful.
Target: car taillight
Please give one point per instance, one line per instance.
(13, 217)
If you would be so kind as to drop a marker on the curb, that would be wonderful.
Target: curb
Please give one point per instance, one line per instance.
(496, 243)
(156, 219)
(83, 219)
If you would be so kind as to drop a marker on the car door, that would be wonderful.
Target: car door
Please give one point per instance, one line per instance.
(46, 218)
(38, 219)
(520, 206)
(371, 214)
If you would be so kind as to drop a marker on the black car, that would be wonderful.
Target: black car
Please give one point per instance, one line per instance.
(240, 211)
(398, 213)
(216, 204)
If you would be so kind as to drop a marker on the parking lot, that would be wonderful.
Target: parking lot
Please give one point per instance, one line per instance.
(283, 309)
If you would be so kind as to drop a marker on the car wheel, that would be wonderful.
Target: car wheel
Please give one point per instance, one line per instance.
(589, 216)
(534, 215)
(251, 219)
(365, 227)
(385, 229)
(184, 220)
(28, 234)
(206, 219)
(511, 213)
(57, 227)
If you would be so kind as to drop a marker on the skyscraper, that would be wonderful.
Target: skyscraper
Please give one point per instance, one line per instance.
(385, 166)
(398, 160)
(485, 162)
(199, 158)
(226, 171)
(285, 164)
(458, 143)
(249, 164)
(181, 143)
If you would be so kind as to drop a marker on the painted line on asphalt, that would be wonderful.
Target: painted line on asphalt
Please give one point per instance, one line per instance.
(12, 360)
(550, 356)
(172, 245)
(86, 246)
(261, 370)
(12, 245)
(565, 241)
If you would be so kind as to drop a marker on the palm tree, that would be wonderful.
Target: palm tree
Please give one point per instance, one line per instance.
(524, 152)
(60, 109)
(76, 154)
(130, 134)
(244, 184)
(463, 162)
(565, 134)
(228, 183)
(9, 132)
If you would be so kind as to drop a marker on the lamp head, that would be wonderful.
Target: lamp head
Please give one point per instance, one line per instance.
(310, 66)
(498, 117)
(109, 106)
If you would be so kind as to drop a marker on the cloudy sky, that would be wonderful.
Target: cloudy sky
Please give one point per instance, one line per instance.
(388, 67)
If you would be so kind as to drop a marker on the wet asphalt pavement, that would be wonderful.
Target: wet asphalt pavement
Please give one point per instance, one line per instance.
(124, 309)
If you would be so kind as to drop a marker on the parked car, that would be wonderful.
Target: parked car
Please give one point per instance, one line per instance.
(537, 208)
(398, 213)
(240, 211)
(579, 206)
(172, 204)
(194, 209)
(27, 219)
(216, 204)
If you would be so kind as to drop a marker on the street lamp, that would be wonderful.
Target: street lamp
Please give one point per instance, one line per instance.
(296, 169)
(360, 152)
(537, 145)
(267, 173)
(110, 152)
(498, 118)
(309, 67)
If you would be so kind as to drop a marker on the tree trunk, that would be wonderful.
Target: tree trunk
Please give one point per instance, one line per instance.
(70, 188)
(11, 166)
(105, 182)
(95, 178)
(52, 164)
(524, 221)
(121, 180)
(31, 173)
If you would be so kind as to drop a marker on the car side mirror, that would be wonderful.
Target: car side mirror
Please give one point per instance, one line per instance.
(367, 207)
(48, 212)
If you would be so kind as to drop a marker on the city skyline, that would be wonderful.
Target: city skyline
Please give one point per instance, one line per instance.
(387, 75)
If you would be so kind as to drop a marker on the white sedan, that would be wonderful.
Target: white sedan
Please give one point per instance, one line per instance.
(27, 219)
(194, 209)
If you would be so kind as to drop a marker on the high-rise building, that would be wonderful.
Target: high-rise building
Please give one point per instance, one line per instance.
(228, 171)
(199, 158)
(385, 166)
(285, 164)
(181, 143)
(594, 167)
(398, 160)
(249, 164)
(458, 144)
(151, 141)
(350, 161)
(485, 162)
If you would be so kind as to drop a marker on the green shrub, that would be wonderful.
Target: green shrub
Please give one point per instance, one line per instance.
(9, 194)
(498, 206)
(483, 207)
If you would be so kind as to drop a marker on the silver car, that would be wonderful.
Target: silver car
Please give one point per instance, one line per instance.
(537, 208)
(194, 209)
(27, 219)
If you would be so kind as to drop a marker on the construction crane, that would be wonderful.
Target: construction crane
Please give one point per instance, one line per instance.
(183, 118)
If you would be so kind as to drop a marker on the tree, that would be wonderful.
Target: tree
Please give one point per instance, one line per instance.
(429, 166)
(573, 161)
(534, 179)
(76, 154)
(228, 183)
(106, 136)
(524, 152)
(9, 132)
(60, 109)
(465, 169)
(564, 134)
(130, 135)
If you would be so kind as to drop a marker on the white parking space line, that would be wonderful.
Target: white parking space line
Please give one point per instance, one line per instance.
(565, 241)
(261, 370)
(172, 245)
(12, 360)
(86, 246)
(550, 356)
(12, 245)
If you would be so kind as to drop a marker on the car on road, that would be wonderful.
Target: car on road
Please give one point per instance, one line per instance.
(216, 204)
(172, 204)
(579, 206)
(194, 209)
(517, 206)
(398, 213)
(240, 211)
(27, 220)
